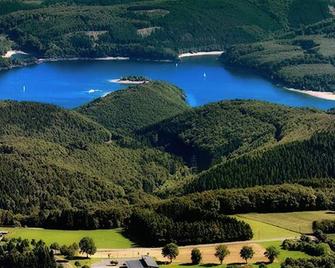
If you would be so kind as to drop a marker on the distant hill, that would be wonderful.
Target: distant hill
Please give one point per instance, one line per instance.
(150, 29)
(127, 110)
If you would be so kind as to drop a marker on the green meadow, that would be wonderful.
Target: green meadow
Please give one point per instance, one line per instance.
(300, 222)
(265, 231)
(111, 238)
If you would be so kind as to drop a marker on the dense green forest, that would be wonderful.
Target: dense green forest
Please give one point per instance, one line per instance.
(195, 226)
(20, 253)
(302, 59)
(98, 165)
(284, 163)
(207, 135)
(151, 29)
(126, 111)
(55, 158)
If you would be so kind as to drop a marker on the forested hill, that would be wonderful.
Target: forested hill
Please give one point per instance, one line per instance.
(151, 29)
(50, 123)
(207, 135)
(56, 163)
(128, 110)
(52, 158)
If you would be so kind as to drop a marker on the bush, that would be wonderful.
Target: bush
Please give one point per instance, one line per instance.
(326, 226)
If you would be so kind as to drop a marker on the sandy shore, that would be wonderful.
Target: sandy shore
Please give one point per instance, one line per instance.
(197, 54)
(13, 52)
(78, 59)
(113, 58)
(127, 82)
(316, 94)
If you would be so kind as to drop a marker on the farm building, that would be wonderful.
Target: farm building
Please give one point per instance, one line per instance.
(144, 262)
(3, 233)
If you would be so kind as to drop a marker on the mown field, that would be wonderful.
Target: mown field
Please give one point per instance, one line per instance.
(300, 222)
(265, 231)
(103, 238)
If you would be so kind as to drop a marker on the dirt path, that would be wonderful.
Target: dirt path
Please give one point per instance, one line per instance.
(207, 251)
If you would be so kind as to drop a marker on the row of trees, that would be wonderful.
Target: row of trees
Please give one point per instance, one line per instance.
(151, 228)
(315, 195)
(171, 252)
(86, 246)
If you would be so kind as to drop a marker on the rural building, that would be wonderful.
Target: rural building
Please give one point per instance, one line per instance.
(144, 262)
(2, 234)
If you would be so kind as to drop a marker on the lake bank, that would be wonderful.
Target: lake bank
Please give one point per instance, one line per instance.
(128, 82)
(316, 94)
(11, 53)
(200, 53)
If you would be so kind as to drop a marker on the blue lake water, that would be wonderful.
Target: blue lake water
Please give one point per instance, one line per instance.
(204, 80)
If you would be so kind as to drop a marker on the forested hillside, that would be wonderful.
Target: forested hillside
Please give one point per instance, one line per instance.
(87, 169)
(302, 59)
(312, 158)
(221, 131)
(128, 110)
(113, 149)
(154, 29)
(55, 159)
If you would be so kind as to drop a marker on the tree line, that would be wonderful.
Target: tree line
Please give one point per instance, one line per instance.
(148, 227)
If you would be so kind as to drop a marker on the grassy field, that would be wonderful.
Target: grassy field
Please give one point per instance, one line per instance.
(103, 238)
(264, 231)
(300, 222)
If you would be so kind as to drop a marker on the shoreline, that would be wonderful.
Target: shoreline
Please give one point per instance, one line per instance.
(200, 53)
(127, 82)
(327, 95)
(11, 53)
(43, 60)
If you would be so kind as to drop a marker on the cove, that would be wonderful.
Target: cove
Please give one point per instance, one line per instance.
(204, 79)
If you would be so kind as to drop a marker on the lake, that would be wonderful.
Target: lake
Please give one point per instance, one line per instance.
(72, 83)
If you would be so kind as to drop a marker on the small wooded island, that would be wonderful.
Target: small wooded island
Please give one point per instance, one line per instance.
(131, 80)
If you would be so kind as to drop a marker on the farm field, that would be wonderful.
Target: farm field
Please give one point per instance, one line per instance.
(183, 258)
(300, 222)
(283, 255)
(265, 231)
(103, 238)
